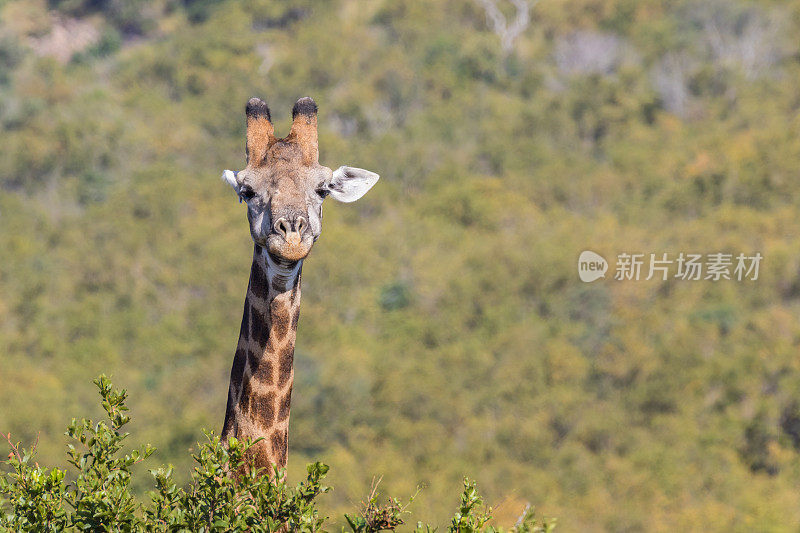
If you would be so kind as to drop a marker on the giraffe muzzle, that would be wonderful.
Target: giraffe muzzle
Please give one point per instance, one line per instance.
(293, 238)
(289, 239)
(290, 228)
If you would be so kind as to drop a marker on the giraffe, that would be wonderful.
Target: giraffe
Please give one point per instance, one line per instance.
(283, 186)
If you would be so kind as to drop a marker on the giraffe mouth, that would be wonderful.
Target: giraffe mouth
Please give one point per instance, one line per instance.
(294, 248)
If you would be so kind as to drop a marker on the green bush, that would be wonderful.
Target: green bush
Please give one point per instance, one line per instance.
(33, 498)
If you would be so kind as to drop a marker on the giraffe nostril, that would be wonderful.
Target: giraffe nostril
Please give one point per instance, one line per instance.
(282, 227)
(301, 225)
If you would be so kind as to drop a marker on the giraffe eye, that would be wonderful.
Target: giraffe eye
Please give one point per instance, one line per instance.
(246, 193)
(322, 192)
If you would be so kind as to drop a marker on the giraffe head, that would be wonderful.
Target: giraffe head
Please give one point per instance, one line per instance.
(284, 185)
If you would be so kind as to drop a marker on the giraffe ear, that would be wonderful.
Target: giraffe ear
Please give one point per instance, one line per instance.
(348, 184)
(230, 177)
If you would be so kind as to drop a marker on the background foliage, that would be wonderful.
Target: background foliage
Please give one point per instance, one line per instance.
(444, 330)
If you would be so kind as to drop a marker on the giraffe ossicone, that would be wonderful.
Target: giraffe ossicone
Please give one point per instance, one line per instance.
(284, 186)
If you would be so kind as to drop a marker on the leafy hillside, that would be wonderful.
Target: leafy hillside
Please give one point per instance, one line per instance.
(444, 330)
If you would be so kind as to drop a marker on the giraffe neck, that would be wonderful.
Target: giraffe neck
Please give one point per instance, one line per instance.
(260, 391)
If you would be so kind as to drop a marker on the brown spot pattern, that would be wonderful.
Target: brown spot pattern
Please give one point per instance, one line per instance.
(263, 408)
(259, 283)
(261, 368)
(259, 453)
(239, 360)
(280, 318)
(259, 328)
(285, 360)
(283, 408)
(244, 331)
(244, 397)
(278, 441)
